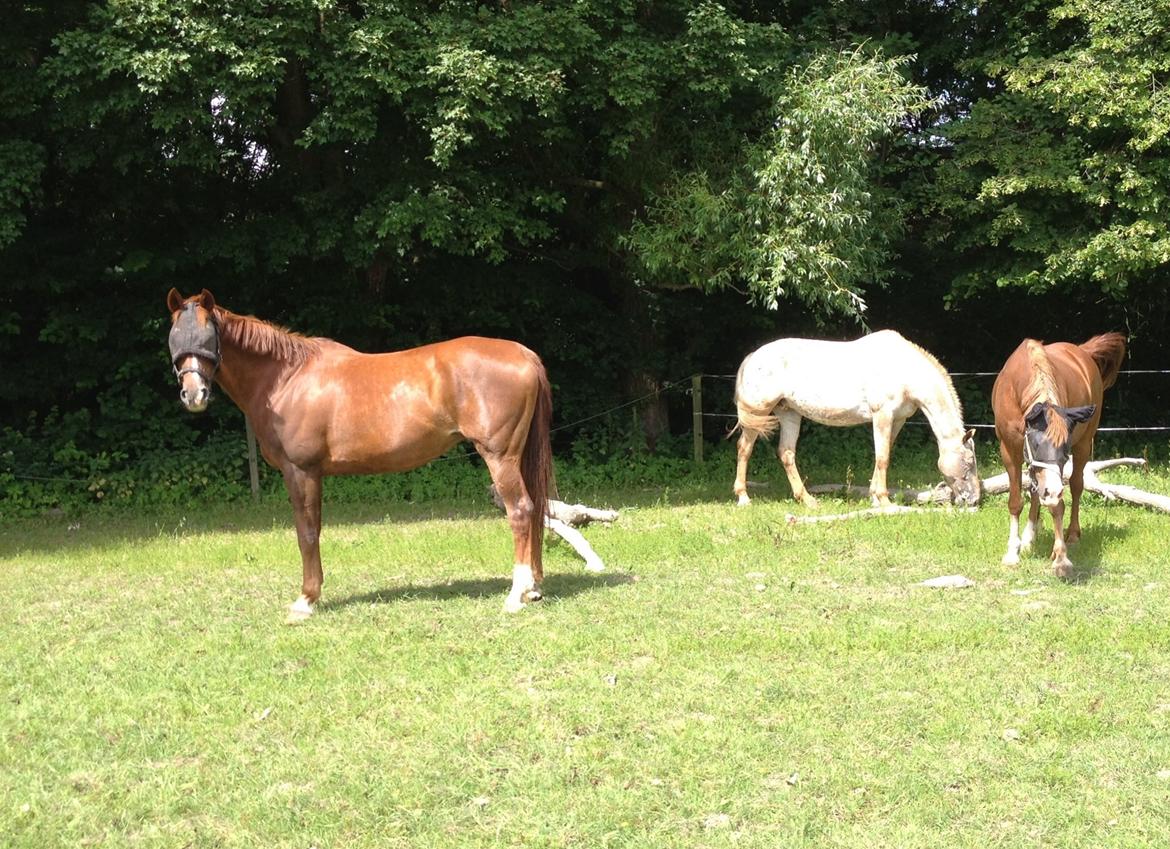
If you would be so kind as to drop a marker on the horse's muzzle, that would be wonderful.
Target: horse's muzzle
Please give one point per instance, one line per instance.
(195, 399)
(1047, 485)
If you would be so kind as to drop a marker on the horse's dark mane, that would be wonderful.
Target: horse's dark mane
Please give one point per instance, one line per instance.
(263, 337)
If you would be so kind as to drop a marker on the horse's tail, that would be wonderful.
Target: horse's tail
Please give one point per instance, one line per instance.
(1107, 351)
(536, 468)
(763, 424)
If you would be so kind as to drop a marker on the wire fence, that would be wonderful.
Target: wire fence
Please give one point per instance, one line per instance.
(953, 374)
(690, 385)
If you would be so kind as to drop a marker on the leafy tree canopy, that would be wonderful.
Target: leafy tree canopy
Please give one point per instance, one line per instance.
(1060, 176)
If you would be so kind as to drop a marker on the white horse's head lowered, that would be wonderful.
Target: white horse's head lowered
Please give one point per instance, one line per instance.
(957, 464)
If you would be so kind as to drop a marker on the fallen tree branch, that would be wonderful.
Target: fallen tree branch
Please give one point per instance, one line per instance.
(1109, 491)
(994, 485)
(573, 537)
(579, 514)
(941, 494)
(892, 510)
(562, 520)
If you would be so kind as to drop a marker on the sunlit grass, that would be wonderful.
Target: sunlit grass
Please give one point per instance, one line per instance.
(732, 680)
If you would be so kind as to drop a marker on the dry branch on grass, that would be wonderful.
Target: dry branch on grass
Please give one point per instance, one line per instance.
(941, 494)
(563, 519)
(994, 485)
(1108, 491)
(892, 510)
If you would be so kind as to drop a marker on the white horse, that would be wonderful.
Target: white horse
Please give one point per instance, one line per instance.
(880, 378)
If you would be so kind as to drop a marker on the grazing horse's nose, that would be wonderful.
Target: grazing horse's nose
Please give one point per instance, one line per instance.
(1049, 486)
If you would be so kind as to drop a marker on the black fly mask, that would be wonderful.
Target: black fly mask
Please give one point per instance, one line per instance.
(189, 337)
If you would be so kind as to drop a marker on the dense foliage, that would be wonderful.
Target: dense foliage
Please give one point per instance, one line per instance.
(637, 190)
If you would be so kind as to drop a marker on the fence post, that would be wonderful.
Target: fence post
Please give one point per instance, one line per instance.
(697, 415)
(253, 468)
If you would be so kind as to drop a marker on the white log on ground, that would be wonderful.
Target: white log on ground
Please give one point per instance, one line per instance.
(994, 485)
(573, 537)
(892, 510)
(1110, 491)
(941, 494)
(563, 519)
(579, 514)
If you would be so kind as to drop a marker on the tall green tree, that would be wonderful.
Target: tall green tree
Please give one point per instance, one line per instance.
(1058, 180)
(310, 156)
(801, 212)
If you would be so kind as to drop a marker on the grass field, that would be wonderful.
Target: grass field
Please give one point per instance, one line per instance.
(731, 680)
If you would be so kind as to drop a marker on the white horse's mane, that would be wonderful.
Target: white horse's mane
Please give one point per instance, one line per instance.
(933, 360)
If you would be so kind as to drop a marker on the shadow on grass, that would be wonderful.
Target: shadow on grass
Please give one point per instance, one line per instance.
(103, 528)
(1085, 554)
(554, 586)
(1087, 551)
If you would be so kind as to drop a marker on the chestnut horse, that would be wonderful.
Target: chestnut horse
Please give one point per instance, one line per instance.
(320, 408)
(881, 378)
(1047, 404)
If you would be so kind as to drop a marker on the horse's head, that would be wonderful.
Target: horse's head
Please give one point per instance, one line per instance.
(194, 345)
(1047, 444)
(959, 469)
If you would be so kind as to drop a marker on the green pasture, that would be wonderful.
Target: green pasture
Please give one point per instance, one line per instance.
(731, 680)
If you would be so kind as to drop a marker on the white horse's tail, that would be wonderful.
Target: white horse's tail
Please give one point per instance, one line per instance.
(762, 424)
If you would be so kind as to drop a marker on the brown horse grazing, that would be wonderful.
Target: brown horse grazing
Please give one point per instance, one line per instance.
(320, 408)
(1047, 403)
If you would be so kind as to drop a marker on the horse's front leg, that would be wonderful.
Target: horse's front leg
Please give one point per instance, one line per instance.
(1032, 526)
(1061, 565)
(884, 429)
(304, 491)
(1015, 504)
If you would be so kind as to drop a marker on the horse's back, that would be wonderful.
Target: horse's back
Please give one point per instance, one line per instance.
(1081, 373)
(828, 381)
(829, 355)
(1077, 372)
(393, 411)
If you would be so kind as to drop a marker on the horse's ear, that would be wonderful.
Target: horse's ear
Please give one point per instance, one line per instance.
(1080, 414)
(1036, 418)
(174, 300)
(207, 301)
(969, 436)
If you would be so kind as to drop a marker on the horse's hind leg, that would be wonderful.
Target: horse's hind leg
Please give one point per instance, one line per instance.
(885, 428)
(527, 572)
(786, 451)
(743, 453)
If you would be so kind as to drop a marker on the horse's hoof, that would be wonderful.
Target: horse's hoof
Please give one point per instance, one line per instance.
(1010, 560)
(743, 501)
(533, 594)
(1062, 568)
(299, 611)
(513, 604)
(808, 501)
